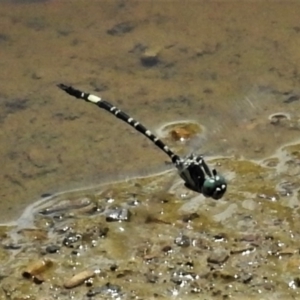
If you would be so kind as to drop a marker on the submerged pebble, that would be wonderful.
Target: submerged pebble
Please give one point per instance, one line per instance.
(52, 249)
(71, 239)
(179, 277)
(107, 289)
(118, 214)
(172, 246)
(182, 241)
(150, 57)
(12, 246)
(218, 256)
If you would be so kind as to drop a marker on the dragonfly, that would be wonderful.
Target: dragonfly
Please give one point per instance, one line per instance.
(193, 169)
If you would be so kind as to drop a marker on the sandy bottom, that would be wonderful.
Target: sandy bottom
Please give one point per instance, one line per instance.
(228, 66)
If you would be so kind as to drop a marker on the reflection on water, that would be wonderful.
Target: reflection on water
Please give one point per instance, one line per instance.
(159, 62)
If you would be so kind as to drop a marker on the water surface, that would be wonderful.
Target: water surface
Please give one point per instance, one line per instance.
(212, 56)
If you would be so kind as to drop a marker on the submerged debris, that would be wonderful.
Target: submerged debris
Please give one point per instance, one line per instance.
(182, 131)
(79, 278)
(35, 269)
(66, 205)
(212, 249)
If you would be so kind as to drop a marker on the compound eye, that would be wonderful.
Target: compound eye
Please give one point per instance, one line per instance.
(214, 188)
(218, 193)
(209, 187)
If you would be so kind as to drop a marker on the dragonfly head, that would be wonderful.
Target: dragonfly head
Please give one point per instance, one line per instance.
(215, 186)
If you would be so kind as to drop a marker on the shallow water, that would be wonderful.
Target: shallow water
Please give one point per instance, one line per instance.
(210, 54)
(225, 65)
(145, 239)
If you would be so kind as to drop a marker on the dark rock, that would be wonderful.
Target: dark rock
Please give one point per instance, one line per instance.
(113, 268)
(89, 282)
(52, 248)
(103, 232)
(46, 195)
(167, 249)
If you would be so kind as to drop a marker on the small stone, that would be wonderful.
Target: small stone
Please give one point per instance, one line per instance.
(245, 277)
(218, 257)
(12, 246)
(103, 232)
(242, 250)
(225, 275)
(113, 268)
(249, 204)
(107, 289)
(219, 237)
(297, 282)
(118, 214)
(46, 195)
(167, 249)
(181, 276)
(152, 278)
(150, 58)
(52, 248)
(190, 217)
(71, 239)
(36, 75)
(182, 241)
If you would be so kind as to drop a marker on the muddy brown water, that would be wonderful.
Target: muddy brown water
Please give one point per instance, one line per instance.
(210, 53)
(227, 65)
